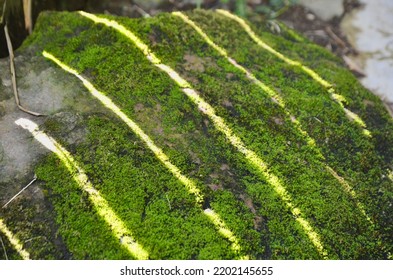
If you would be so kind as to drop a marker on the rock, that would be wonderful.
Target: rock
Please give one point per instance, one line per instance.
(325, 10)
(310, 16)
(166, 134)
(368, 29)
(42, 88)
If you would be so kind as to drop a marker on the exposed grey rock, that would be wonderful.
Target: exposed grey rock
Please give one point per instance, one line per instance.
(44, 89)
(369, 30)
(326, 10)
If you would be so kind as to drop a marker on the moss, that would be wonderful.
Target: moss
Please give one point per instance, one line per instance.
(33, 225)
(162, 216)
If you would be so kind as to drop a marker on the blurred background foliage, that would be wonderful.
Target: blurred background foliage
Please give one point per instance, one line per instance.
(19, 15)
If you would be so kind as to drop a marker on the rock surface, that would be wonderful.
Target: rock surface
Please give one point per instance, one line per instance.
(326, 10)
(185, 136)
(369, 30)
(44, 89)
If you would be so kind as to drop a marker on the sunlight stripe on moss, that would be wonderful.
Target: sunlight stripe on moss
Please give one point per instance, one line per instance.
(111, 23)
(102, 207)
(353, 194)
(223, 229)
(336, 97)
(15, 242)
(220, 125)
(274, 95)
(107, 102)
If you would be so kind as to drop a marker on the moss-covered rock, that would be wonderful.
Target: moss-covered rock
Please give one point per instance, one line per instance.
(216, 140)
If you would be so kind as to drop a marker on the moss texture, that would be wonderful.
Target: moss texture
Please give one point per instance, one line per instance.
(163, 217)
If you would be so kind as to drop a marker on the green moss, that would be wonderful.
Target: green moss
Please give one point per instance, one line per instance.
(34, 227)
(162, 216)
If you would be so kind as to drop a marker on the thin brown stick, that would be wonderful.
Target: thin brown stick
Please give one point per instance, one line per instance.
(5, 252)
(12, 68)
(335, 37)
(3, 15)
(28, 15)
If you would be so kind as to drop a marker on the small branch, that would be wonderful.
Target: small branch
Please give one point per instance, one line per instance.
(338, 40)
(12, 68)
(27, 7)
(15, 196)
(141, 11)
(33, 238)
(3, 15)
(5, 252)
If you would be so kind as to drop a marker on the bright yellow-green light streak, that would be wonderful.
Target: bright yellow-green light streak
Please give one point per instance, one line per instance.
(190, 185)
(279, 101)
(200, 32)
(192, 188)
(336, 97)
(111, 23)
(15, 242)
(351, 192)
(223, 230)
(277, 98)
(101, 205)
(220, 125)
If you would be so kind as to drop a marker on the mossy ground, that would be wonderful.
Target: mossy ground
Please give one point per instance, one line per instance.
(163, 217)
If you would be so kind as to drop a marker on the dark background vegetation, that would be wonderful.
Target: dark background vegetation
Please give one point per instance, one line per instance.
(13, 14)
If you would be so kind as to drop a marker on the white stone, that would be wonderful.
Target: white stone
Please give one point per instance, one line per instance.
(369, 30)
(324, 9)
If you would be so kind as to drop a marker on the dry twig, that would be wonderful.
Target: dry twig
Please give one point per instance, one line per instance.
(3, 15)
(12, 68)
(333, 35)
(27, 6)
(353, 66)
(15, 196)
(5, 252)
